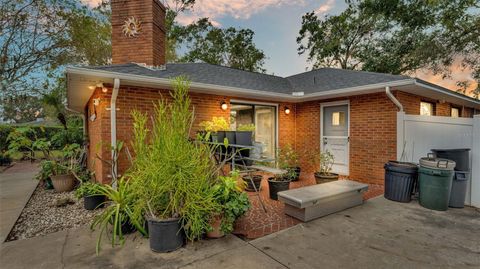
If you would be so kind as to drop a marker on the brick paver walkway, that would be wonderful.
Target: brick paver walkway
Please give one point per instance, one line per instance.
(256, 223)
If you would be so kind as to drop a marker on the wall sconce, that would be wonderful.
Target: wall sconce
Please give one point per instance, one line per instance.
(96, 101)
(287, 110)
(224, 105)
(104, 89)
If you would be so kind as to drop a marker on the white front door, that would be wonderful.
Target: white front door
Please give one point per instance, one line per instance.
(335, 134)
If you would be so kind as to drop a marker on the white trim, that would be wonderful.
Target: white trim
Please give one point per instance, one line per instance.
(113, 124)
(337, 103)
(276, 105)
(379, 86)
(452, 94)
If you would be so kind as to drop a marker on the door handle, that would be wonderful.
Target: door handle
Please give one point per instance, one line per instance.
(324, 140)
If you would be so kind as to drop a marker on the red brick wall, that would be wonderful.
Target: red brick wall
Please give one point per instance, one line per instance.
(372, 135)
(149, 45)
(411, 105)
(372, 126)
(205, 106)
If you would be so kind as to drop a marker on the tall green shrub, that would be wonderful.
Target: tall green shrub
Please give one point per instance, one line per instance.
(173, 176)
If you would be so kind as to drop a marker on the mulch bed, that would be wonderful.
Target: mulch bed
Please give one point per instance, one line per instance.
(42, 215)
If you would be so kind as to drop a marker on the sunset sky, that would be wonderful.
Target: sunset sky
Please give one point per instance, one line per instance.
(276, 24)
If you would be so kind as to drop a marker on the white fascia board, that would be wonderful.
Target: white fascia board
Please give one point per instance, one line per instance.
(452, 94)
(249, 93)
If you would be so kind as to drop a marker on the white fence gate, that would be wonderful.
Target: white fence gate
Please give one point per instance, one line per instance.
(417, 135)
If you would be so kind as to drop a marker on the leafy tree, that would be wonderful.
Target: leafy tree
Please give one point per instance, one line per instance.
(229, 47)
(396, 36)
(21, 108)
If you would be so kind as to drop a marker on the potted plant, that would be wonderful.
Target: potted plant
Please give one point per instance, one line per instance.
(288, 160)
(171, 176)
(233, 204)
(215, 129)
(118, 215)
(257, 181)
(46, 170)
(277, 184)
(90, 192)
(324, 175)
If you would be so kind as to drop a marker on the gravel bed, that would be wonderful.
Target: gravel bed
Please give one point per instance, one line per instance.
(42, 216)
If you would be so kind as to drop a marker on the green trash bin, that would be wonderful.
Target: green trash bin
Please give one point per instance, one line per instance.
(434, 187)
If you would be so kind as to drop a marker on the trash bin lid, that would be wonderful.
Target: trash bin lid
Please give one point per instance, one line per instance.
(437, 163)
(449, 150)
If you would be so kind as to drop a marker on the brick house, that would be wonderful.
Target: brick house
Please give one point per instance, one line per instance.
(350, 113)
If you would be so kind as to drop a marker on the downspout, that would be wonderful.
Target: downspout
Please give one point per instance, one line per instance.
(113, 126)
(393, 99)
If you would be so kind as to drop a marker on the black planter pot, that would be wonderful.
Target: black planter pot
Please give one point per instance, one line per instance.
(165, 235)
(297, 170)
(93, 202)
(257, 180)
(276, 186)
(128, 228)
(230, 135)
(244, 138)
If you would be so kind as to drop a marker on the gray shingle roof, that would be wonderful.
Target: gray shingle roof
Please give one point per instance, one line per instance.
(319, 80)
(326, 79)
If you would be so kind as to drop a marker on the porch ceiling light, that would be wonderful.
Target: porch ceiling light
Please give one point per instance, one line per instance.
(287, 110)
(224, 105)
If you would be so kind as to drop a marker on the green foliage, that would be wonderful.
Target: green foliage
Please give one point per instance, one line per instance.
(234, 203)
(396, 36)
(326, 161)
(287, 157)
(171, 176)
(215, 125)
(88, 189)
(119, 211)
(231, 47)
(246, 127)
(20, 108)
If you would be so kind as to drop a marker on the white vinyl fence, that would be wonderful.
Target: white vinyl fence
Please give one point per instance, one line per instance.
(417, 135)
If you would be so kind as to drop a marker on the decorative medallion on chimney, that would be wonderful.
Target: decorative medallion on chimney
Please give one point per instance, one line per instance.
(132, 27)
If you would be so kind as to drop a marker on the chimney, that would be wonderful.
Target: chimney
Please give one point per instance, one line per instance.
(138, 32)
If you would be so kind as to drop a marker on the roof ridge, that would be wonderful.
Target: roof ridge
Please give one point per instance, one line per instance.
(233, 68)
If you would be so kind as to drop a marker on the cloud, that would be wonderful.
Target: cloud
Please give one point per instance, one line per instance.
(325, 7)
(91, 3)
(238, 9)
(458, 74)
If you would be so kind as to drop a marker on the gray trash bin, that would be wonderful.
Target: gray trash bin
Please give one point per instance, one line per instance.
(459, 189)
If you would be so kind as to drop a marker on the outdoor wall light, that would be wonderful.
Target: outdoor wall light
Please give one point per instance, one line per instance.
(287, 110)
(224, 105)
(104, 89)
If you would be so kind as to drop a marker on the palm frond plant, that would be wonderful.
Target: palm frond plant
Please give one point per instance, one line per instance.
(117, 218)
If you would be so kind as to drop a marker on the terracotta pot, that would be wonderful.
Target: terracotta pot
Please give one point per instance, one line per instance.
(324, 178)
(62, 183)
(216, 222)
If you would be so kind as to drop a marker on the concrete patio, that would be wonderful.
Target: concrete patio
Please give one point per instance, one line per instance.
(378, 234)
(17, 184)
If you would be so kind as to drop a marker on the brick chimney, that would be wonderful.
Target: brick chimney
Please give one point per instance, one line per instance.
(138, 32)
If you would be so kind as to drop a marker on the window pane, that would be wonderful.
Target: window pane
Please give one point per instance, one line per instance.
(455, 112)
(338, 118)
(426, 109)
